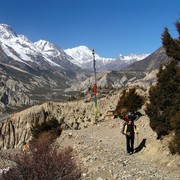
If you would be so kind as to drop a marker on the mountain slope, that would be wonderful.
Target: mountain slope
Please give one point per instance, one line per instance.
(42, 68)
(152, 62)
(20, 49)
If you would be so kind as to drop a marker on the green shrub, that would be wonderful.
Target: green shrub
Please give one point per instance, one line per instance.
(175, 122)
(174, 145)
(51, 126)
(129, 101)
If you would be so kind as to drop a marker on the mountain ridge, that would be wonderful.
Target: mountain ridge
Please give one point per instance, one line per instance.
(82, 56)
(20, 48)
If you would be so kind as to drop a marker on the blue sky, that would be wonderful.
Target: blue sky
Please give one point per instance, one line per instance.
(111, 27)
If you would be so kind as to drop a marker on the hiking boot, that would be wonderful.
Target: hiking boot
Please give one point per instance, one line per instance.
(128, 153)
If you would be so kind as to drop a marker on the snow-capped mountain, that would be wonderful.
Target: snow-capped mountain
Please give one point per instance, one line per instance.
(6, 32)
(131, 57)
(81, 53)
(49, 49)
(33, 68)
(125, 61)
(19, 48)
(82, 56)
(42, 52)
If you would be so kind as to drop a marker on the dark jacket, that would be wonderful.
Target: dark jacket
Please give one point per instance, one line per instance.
(130, 129)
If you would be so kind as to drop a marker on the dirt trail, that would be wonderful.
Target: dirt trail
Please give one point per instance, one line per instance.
(101, 151)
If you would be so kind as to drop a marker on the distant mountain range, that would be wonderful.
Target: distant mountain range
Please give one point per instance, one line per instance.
(82, 56)
(34, 72)
(138, 72)
(21, 49)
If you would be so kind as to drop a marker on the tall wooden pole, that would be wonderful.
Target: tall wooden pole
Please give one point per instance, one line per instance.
(95, 86)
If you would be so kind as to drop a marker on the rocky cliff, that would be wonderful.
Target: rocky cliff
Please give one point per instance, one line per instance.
(73, 115)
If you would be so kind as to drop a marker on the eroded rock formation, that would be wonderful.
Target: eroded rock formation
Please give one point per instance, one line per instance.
(76, 115)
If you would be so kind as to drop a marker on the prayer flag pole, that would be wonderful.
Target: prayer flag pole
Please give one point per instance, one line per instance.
(95, 86)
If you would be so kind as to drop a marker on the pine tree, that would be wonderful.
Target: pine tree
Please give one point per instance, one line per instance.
(164, 107)
(177, 24)
(172, 46)
(164, 99)
(130, 101)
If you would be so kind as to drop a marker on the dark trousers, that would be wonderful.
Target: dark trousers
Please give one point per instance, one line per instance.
(130, 144)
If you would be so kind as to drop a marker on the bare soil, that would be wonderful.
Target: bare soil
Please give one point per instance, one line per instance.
(101, 151)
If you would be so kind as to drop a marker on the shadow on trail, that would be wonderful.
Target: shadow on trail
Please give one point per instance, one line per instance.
(141, 146)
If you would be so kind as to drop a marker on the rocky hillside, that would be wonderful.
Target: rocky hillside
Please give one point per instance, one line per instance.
(74, 115)
(99, 146)
(118, 80)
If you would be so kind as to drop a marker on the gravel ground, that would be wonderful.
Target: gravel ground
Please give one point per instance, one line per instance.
(101, 151)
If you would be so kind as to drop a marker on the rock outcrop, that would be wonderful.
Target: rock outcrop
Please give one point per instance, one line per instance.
(73, 115)
(13, 93)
